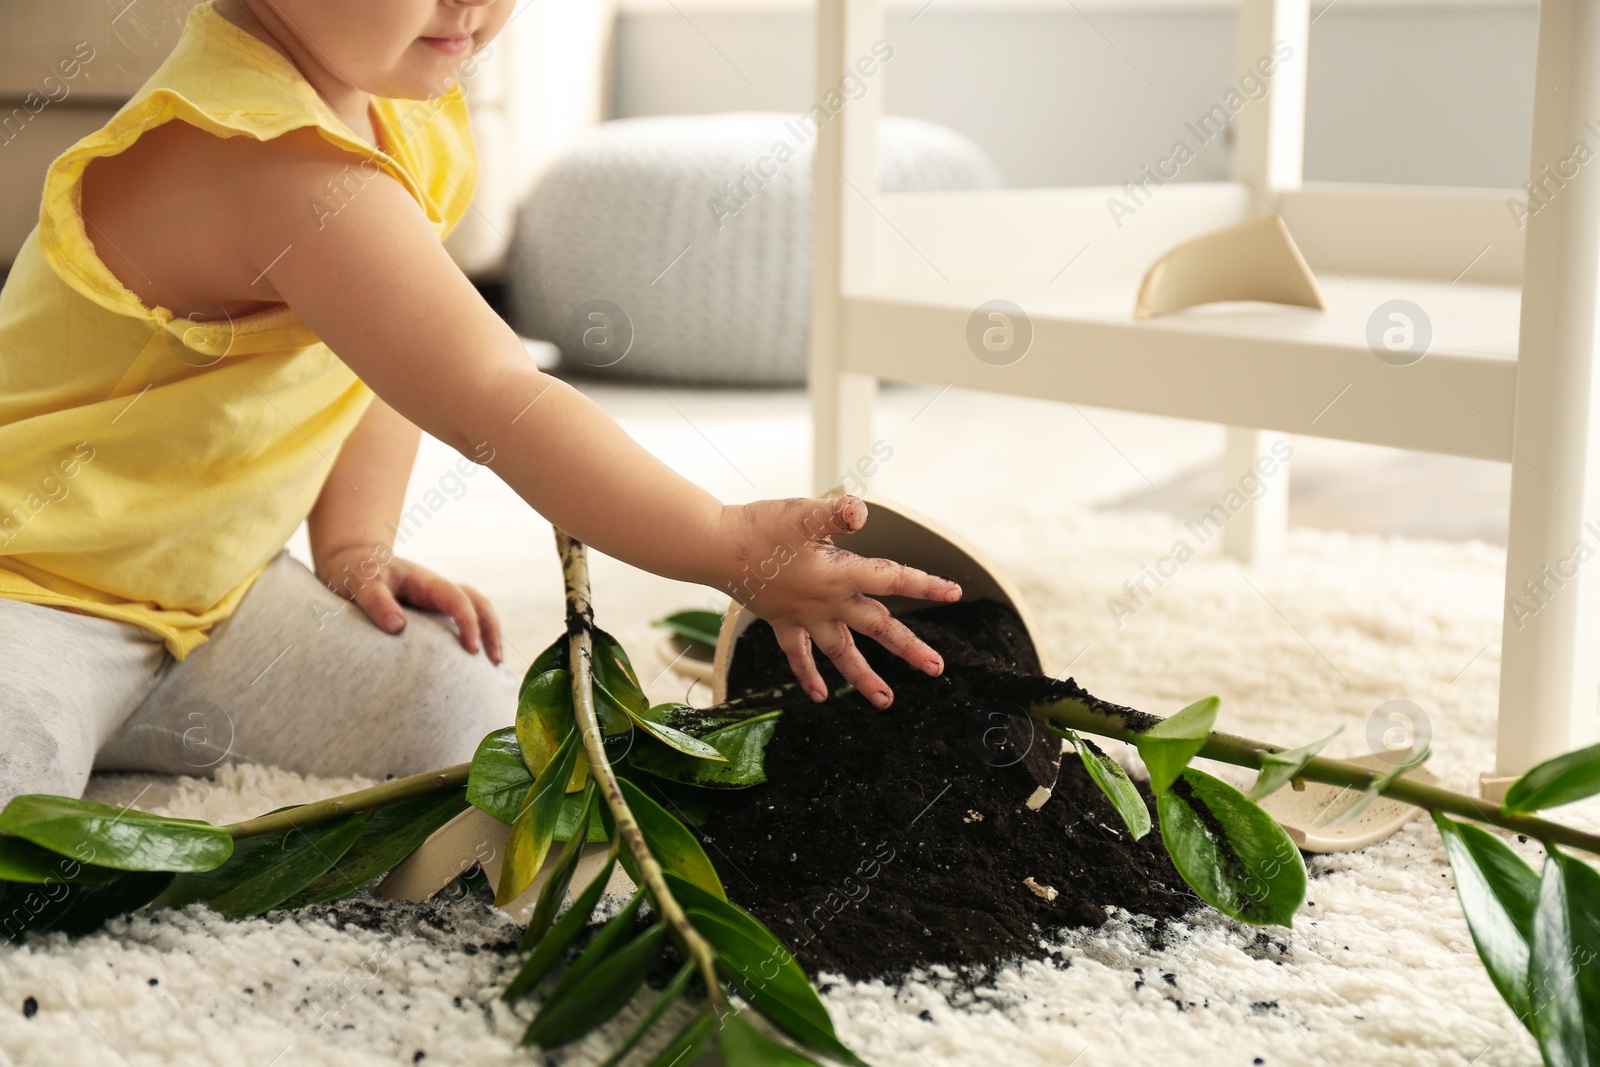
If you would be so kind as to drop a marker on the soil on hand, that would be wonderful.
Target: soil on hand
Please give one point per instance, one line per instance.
(889, 840)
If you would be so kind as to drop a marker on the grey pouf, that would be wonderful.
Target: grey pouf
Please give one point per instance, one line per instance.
(679, 248)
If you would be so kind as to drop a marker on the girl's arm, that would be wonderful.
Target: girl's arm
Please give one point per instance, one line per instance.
(374, 282)
(352, 526)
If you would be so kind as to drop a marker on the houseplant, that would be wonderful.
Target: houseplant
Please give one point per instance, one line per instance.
(69, 864)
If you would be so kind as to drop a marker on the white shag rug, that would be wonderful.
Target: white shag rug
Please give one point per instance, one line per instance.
(1379, 967)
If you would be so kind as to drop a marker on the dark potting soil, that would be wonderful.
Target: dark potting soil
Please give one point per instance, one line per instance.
(888, 840)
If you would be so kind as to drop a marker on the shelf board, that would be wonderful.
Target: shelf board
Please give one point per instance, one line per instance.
(1298, 370)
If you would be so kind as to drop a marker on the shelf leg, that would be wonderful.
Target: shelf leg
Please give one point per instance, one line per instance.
(841, 419)
(1256, 533)
(1550, 658)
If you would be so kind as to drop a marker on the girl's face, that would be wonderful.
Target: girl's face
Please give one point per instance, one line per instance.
(394, 48)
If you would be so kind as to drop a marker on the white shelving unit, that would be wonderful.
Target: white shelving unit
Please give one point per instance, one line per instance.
(1508, 375)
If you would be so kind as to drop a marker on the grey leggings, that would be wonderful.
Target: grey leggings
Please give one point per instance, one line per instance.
(298, 678)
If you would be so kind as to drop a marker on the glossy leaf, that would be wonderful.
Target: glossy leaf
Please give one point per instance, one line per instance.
(499, 779)
(684, 1050)
(743, 746)
(1278, 769)
(699, 626)
(78, 908)
(567, 820)
(121, 838)
(690, 895)
(676, 739)
(614, 933)
(390, 834)
(535, 826)
(1498, 893)
(742, 1045)
(615, 654)
(1582, 889)
(544, 718)
(1373, 790)
(24, 861)
(780, 993)
(265, 871)
(1169, 745)
(555, 887)
(547, 950)
(617, 686)
(1564, 981)
(669, 996)
(1233, 854)
(672, 843)
(1113, 781)
(557, 656)
(1563, 780)
(598, 995)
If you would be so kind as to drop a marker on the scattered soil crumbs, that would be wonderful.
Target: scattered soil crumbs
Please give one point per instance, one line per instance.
(889, 840)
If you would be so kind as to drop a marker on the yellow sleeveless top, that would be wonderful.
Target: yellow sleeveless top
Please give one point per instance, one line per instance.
(150, 466)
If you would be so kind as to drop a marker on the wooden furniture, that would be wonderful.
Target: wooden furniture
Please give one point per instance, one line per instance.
(1508, 311)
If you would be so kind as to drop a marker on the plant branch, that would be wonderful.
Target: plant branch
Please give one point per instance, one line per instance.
(1123, 724)
(377, 796)
(580, 633)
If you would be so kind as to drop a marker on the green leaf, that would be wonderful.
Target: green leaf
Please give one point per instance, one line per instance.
(690, 895)
(599, 994)
(1498, 893)
(1562, 780)
(78, 908)
(1232, 853)
(557, 657)
(1169, 745)
(1374, 789)
(535, 827)
(780, 993)
(672, 843)
(547, 950)
(265, 871)
(699, 626)
(24, 861)
(672, 738)
(685, 1048)
(567, 821)
(1278, 769)
(1113, 782)
(499, 779)
(743, 746)
(1563, 977)
(1582, 890)
(390, 834)
(669, 996)
(544, 718)
(121, 838)
(615, 932)
(610, 651)
(614, 673)
(555, 887)
(742, 1045)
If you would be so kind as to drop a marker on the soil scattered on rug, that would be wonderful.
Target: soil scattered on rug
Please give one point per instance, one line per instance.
(889, 840)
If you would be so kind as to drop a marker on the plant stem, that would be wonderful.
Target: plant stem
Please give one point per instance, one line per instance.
(580, 633)
(377, 796)
(1108, 720)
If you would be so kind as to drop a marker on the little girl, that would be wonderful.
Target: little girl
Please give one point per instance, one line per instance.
(197, 354)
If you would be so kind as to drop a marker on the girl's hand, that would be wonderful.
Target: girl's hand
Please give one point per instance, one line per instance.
(789, 572)
(396, 581)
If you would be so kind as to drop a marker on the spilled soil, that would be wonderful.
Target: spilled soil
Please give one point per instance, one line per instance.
(890, 840)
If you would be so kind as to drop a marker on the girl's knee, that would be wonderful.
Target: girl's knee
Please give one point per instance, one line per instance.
(454, 698)
(42, 756)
